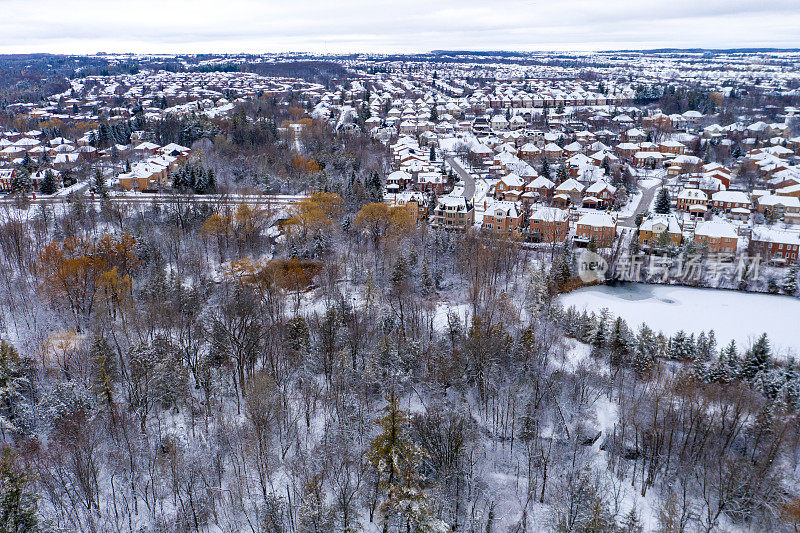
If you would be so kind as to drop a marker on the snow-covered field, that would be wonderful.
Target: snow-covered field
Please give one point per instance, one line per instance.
(732, 315)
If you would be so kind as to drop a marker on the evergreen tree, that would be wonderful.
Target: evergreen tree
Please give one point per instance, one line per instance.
(428, 286)
(772, 285)
(646, 350)
(17, 504)
(757, 358)
(27, 163)
(631, 522)
(730, 365)
(662, 202)
(104, 370)
(619, 342)
(397, 460)
(13, 383)
(44, 161)
(21, 182)
(99, 184)
(562, 173)
(598, 335)
(679, 346)
(432, 155)
(790, 281)
(49, 185)
(545, 168)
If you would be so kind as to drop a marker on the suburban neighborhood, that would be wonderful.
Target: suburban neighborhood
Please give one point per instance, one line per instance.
(401, 292)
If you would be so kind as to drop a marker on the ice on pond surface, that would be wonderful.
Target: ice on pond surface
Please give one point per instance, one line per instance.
(740, 316)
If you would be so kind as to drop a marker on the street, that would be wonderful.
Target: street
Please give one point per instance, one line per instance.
(466, 177)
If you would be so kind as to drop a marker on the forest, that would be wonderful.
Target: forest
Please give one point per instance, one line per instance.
(331, 366)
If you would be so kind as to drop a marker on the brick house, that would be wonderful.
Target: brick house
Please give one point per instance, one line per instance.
(692, 200)
(598, 227)
(653, 227)
(726, 201)
(453, 212)
(772, 243)
(718, 237)
(503, 217)
(548, 224)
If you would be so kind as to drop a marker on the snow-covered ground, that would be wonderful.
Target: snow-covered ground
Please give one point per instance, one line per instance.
(733, 315)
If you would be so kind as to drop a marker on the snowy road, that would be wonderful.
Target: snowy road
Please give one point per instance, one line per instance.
(466, 177)
(644, 205)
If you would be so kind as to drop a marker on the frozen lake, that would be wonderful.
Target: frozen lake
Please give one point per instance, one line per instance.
(733, 315)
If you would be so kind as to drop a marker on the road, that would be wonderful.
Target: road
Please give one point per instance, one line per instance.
(644, 205)
(466, 177)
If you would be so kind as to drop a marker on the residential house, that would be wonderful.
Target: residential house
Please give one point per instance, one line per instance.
(599, 194)
(572, 189)
(692, 201)
(508, 183)
(503, 217)
(786, 207)
(453, 212)
(415, 202)
(600, 228)
(717, 236)
(548, 224)
(773, 243)
(652, 229)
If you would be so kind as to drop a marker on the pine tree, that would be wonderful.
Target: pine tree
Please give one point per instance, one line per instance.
(397, 460)
(27, 163)
(48, 185)
(562, 174)
(428, 286)
(598, 334)
(757, 358)
(772, 286)
(790, 281)
(679, 346)
(432, 155)
(646, 350)
(17, 504)
(12, 385)
(730, 365)
(619, 342)
(631, 523)
(545, 168)
(104, 368)
(21, 182)
(44, 161)
(662, 205)
(99, 184)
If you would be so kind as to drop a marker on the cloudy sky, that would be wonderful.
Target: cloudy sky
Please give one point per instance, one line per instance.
(153, 26)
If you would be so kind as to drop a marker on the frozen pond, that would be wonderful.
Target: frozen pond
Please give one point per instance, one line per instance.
(733, 315)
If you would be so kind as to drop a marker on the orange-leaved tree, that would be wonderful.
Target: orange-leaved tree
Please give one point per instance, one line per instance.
(73, 270)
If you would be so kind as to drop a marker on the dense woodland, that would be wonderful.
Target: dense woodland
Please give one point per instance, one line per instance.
(330, 366)
(177, 368)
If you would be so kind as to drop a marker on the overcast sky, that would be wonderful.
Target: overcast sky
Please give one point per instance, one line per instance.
(153, 26)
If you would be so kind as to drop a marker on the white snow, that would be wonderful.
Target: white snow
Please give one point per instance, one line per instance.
(732, 315)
